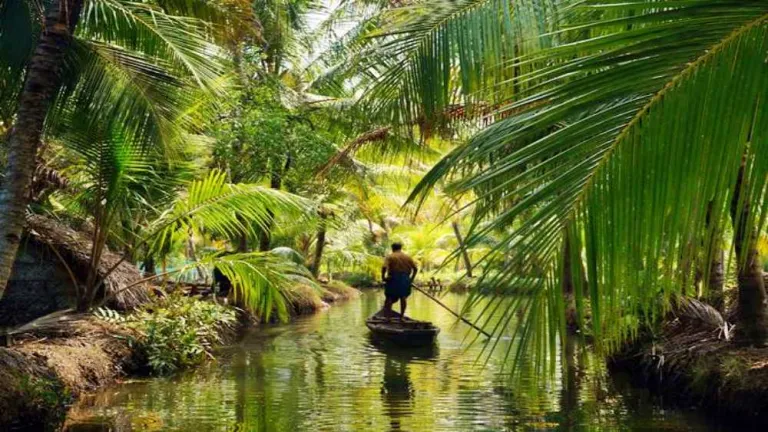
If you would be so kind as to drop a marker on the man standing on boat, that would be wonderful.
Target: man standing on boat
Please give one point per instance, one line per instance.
(398, 273)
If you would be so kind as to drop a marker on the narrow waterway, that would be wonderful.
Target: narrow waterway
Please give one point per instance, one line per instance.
(324, 373)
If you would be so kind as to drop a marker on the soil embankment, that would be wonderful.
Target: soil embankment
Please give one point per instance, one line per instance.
(46, 369)
(693, 362)
(49, 367)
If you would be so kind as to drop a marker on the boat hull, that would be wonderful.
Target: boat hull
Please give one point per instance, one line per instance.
(406, 332)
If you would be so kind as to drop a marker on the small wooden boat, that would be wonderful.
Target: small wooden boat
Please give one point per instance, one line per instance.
(405, 331)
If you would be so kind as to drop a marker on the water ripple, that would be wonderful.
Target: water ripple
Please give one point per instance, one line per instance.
(325, 373)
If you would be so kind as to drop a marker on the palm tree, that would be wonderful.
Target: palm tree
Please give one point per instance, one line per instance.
(112, 179)
(40, 85)
(109, 62)
(635, 123)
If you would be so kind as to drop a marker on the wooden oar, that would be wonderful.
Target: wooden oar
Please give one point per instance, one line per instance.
(466, 321)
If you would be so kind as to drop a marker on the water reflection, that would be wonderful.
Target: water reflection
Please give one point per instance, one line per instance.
(326, 373)
(397, 389)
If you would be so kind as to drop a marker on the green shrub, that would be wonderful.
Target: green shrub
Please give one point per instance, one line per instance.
(358, 280)
(338, 290)
(45, 394)
(176, 332)
(305, 298)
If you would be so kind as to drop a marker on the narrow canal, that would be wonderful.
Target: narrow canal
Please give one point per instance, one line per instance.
(323, 373)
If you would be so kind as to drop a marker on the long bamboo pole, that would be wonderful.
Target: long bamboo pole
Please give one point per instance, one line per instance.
(466, 321)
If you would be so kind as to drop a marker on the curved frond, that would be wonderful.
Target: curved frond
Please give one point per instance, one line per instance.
(625, 141)
(431, 55)
(263, 282)
(216, 206)
(184, 42)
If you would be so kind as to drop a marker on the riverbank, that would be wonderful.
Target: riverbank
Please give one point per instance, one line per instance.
(324, 372)
(49, 367)
(694, 363)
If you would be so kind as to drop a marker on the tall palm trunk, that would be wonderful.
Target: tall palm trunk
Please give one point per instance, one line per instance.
(275, 182)
(752, 316)
(569, 394)
(715, 269)
(462, 248)
(569, 285)
(42, 82)
(716, 280)
(192, 255)
(320, 245)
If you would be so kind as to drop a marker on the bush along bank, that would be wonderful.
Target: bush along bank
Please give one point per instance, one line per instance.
(49, 366)
(693, 361)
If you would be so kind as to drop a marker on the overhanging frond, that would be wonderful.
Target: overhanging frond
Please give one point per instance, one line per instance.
(626, 139)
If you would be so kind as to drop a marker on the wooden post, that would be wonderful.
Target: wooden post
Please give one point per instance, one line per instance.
(6, 339)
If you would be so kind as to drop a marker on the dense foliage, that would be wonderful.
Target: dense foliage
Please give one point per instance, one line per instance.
(592, 162)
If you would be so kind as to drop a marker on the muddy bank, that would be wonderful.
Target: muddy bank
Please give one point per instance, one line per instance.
(692, 362)
(48, 368)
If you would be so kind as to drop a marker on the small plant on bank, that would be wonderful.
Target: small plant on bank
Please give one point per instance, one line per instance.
(358, 279)
(175, 332)
(46, 395)
(339, 290)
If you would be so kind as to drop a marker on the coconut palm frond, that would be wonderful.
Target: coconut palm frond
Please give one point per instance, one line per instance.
(261, 281)
(690, 309)
(214, 205)
(429, 56)
(183, 42)
(110, 87)
(623, 126)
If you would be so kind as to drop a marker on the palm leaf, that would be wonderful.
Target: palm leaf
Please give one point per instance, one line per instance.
(215, 206)
(262, 282)
(431, 55)
(646, 112)
(183, 42)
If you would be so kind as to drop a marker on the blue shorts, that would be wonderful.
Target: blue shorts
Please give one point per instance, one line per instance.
(398, 286)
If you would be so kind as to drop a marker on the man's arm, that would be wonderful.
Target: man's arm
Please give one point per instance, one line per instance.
(384, 269)
(414, 270)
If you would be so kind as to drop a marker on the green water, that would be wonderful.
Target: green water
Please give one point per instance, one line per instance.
(324, 373)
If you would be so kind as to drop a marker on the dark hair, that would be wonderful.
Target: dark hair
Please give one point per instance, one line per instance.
(397, 246)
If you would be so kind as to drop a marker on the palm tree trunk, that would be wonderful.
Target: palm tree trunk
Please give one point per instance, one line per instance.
(149, 266)
(265, 235)
(716, 280)
(275, 182)
(42, 82)
(462, 248)
(370, 230)
(569, 394)
(715, 284)
(568, 284)
(242, 243)
(193, 255)
(751, 313)
(319, 246)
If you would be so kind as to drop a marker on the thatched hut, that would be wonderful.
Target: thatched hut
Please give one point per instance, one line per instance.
(50, 256)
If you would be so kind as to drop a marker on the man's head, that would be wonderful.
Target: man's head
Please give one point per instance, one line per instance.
(396, 247)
